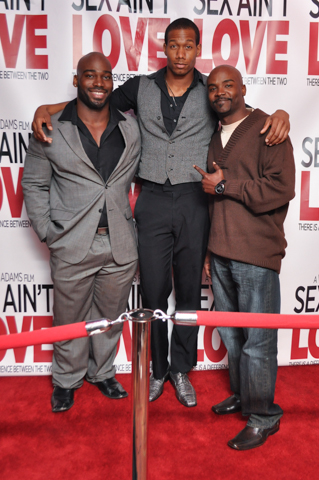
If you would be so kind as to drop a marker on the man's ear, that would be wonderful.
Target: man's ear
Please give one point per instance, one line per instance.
(199, 49)
(243, 89)
(75, 81)
(164, 48)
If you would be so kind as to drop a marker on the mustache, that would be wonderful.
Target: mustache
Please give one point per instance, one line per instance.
(222, 98)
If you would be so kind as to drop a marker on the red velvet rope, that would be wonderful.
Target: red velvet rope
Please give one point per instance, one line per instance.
(37, 337)
(210, 319)
(256, 320)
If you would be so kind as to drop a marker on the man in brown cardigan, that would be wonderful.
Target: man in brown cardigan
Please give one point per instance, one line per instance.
(251, 185)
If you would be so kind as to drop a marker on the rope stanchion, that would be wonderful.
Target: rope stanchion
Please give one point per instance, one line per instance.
(140, 389)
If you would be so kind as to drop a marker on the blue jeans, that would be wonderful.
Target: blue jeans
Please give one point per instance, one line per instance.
(252, 352)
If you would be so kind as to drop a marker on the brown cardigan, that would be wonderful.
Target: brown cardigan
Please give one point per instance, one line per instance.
(247, 220)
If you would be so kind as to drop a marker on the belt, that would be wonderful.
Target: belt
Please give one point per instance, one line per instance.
(178, 188)
(102, 230)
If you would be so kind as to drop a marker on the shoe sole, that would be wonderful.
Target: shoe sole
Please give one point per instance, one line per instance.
(61, 410)
(185, 404)
(226, 413)
(124, 395)
(255, 446)
(114, 398)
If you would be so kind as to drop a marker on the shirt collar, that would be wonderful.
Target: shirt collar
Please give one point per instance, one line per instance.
(160, 78)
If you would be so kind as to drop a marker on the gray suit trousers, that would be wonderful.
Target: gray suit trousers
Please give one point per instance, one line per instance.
(95, 288)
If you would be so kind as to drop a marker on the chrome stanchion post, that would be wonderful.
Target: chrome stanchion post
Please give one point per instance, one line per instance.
(140, 389)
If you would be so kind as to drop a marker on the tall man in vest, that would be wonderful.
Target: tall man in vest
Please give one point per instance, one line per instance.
(250, 188)
(176, 125)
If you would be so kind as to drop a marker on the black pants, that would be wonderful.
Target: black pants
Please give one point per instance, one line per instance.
(173, 227)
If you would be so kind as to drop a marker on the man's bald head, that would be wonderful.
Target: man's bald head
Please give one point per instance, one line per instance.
(232, 71)
(226, 93)
(94, 80)
(93, 58)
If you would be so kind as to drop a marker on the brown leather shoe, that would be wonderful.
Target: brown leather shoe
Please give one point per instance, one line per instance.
(230, 405)
(251, 437)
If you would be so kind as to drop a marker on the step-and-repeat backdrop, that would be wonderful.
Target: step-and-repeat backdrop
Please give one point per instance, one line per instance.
(274, 43)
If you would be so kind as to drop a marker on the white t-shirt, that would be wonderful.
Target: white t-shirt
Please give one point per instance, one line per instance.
(227, 130)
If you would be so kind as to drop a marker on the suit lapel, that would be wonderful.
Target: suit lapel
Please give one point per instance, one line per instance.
(122, 163)
(71, 135)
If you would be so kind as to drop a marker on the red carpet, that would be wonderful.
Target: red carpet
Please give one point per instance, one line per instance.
(92, 441)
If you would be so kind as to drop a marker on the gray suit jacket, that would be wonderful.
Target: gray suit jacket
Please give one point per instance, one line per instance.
(64, 194)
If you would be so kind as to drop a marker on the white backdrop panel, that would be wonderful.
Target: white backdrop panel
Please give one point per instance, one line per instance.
(274, 43)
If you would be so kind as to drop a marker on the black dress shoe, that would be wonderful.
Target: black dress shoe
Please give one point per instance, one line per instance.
(230, 405)
(62, 399)
(111, 388)
(251, 437)
(185, 391)
(157, 386)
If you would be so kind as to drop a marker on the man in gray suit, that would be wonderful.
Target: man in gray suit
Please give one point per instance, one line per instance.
(76, 194)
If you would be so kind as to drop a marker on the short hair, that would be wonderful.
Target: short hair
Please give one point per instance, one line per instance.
(181, 24)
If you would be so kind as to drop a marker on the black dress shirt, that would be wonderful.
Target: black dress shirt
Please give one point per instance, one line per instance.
(105, 156)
